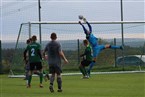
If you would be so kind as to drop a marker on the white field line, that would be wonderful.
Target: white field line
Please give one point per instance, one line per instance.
(67, 74)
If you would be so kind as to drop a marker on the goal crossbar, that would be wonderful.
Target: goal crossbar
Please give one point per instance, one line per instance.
(91, 22)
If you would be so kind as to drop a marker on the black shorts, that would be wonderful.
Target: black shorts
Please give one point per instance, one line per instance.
(54, 69)
(36, 66)
(85, 63)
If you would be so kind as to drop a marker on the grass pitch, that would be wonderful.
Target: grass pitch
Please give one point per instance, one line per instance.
(101, 85)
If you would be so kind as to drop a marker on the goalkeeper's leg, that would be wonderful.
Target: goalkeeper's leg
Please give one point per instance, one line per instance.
(90, 67)
(113, 46)
(96, 51)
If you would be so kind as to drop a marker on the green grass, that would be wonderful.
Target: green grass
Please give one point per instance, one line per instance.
(105, 85)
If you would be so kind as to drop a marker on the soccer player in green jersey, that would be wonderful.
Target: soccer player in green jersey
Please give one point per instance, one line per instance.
(35, 58)
(88, 58)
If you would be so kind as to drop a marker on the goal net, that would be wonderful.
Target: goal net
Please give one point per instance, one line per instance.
(70, 35)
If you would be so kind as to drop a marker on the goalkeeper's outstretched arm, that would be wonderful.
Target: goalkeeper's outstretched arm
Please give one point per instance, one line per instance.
(90, 27)
(85, 30)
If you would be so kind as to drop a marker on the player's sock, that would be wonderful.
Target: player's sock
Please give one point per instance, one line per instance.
(82, 71)
(59, 82)
(52, 79)
(27, 76)
(114, 47)
(85, 72)
(41, 78)
(29, 79)
(26, 82)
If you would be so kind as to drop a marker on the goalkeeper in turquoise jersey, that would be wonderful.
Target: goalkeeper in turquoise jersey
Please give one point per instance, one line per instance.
(94, 43)
(87, 59)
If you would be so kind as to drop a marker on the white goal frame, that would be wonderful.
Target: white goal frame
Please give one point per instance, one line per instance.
(74, 22)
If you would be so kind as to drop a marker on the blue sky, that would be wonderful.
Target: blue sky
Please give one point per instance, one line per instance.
(15, 12)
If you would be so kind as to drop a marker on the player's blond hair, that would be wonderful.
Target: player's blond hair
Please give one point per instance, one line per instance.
(85, 41)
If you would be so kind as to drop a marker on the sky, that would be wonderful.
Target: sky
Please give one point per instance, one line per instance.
(15, 12)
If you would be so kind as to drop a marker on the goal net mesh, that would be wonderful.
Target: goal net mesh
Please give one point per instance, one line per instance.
(70, 35)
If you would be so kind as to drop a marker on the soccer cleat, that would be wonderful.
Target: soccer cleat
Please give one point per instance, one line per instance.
(59, 90)
(51, 89)
(85, 77)
(28, 86)
(41, 86)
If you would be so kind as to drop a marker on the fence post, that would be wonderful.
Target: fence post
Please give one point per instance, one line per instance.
(78, 51)
(115, 64)
(1, 59)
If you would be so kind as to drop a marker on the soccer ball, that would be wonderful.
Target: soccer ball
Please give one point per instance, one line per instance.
(81, 17)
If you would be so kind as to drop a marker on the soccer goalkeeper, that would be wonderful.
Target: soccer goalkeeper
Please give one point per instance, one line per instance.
(94, 42)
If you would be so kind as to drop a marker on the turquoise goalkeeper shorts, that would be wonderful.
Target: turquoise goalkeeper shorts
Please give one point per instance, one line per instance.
(97, 49)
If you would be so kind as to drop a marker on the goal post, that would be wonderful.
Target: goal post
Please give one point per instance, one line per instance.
(69, 32)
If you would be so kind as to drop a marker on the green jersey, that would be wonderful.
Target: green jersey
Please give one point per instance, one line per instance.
(88, 53)
(34, 51)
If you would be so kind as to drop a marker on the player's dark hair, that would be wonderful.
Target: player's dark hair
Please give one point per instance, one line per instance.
(28, 41)
(53, 36)
(34, 38)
